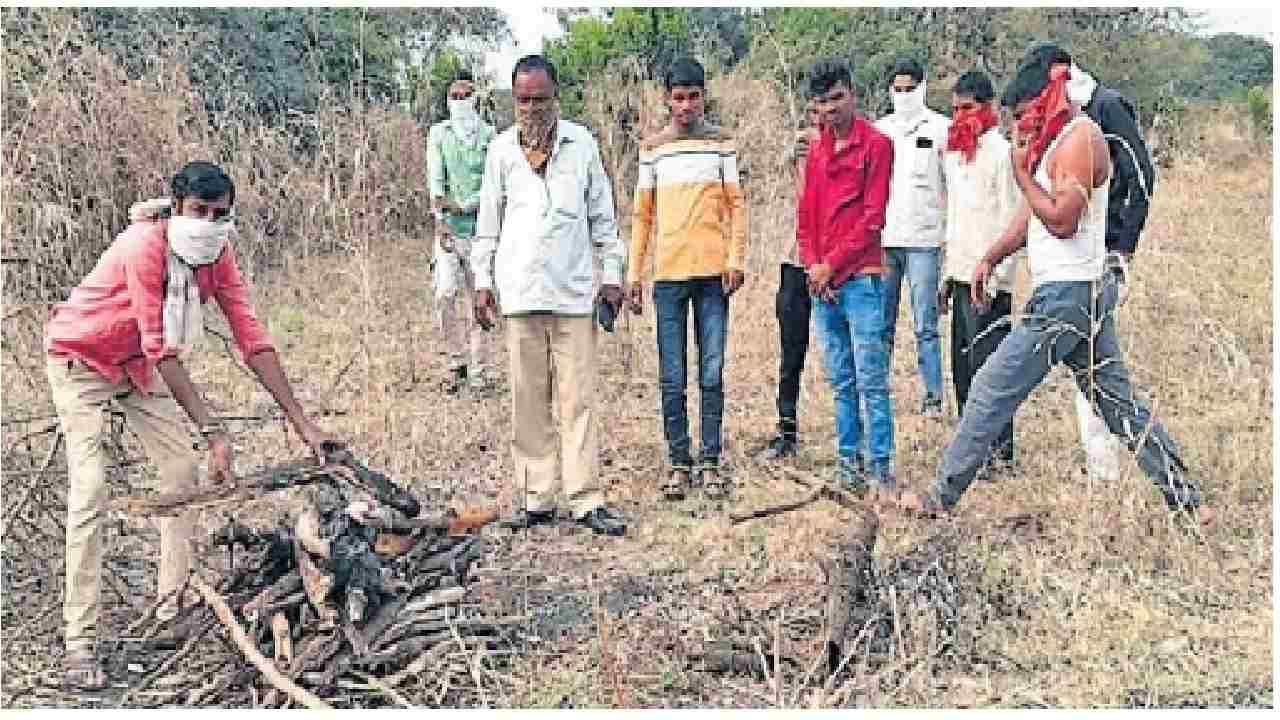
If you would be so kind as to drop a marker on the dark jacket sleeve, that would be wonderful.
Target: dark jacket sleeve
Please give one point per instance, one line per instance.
(1134, 179)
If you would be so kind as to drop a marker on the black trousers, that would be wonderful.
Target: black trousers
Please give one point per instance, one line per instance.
(973, 339)
(792, 307)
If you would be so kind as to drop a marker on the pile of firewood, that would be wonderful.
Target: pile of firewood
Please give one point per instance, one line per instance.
(357, 583)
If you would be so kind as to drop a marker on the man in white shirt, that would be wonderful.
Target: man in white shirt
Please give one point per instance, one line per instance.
(546, 214)
(914, 221)
(982, 199)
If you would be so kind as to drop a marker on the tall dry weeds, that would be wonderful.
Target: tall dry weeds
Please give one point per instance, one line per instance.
(86, 141)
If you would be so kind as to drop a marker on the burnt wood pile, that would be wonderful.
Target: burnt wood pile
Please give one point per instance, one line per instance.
(355, 592)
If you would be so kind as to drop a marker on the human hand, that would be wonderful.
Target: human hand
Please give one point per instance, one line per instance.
(732, 281)
(219, 468)
(819, 279)
(486, 309)
(635, 297)
(977, 286)
(320, 442)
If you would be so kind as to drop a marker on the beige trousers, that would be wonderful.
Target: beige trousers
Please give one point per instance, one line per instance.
(537, 344)
(454, 285)
(80, 396)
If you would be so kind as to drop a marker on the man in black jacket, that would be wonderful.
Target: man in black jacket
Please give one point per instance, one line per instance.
(1132, 182)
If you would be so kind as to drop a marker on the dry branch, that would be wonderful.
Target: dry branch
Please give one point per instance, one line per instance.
(849, 583)
(778, 509)
(268, 668)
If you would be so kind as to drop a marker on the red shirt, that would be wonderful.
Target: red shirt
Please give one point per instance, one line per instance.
(112, 321)
(841, 211)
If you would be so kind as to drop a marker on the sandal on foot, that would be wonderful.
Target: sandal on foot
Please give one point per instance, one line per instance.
(83, 672)
(922, 505)
(676, 485)
(713, 484)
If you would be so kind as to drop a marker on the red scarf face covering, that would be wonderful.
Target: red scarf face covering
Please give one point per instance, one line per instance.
(967, 126)
(1045, 117)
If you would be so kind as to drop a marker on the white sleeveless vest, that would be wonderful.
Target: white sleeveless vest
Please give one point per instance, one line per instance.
(1081, 257)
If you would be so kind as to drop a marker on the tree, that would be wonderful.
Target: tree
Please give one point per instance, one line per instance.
(286, 59)
(1236, 63)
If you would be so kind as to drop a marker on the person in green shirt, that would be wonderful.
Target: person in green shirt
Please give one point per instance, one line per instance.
(455, 163)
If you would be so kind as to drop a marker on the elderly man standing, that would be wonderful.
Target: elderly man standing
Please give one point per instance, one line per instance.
(546, 211)
(455, 162)
(133, 317)
(914, 221)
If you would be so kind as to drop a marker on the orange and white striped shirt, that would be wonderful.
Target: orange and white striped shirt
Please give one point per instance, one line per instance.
(689, 210)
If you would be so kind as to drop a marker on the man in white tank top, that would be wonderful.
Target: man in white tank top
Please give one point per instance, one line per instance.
(1062, 166)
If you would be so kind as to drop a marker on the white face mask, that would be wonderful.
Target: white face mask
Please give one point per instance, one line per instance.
(198, 242)
(463, 114)
(1080, 86)
(909, 104)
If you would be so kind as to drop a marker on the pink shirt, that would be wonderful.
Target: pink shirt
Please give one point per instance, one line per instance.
(112, 321)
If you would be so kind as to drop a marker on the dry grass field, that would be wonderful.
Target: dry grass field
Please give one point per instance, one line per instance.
(1090, 596)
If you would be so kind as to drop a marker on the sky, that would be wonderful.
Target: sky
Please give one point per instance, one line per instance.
(530, 25)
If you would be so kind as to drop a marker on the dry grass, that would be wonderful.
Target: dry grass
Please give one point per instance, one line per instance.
(1110, 605)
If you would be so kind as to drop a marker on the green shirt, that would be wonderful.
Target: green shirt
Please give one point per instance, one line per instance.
(455, 169)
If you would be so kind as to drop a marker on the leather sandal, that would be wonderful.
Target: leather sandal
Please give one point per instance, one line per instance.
(713, 484)
(83, 672)
(676, 486)
(922, 505)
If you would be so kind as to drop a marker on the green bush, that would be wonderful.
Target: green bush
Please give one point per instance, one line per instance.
(1258, 100)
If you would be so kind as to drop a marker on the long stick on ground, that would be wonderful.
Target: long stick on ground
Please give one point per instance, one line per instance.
(778, 509)
(268, 668)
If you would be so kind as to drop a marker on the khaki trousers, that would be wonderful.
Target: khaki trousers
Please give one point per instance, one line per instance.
(80, 396)
(454, 285)
(537, 343)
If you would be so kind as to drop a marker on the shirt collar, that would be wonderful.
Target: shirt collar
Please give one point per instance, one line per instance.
(857, 135)
(909, 127)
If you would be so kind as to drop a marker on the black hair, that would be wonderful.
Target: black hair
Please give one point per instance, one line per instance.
(1047, 53)
(464, 76)
(685, 72)
(976, 84)
(1027, 83)
(534, 63)
(906, 66)
(203, 180)
(828, 73)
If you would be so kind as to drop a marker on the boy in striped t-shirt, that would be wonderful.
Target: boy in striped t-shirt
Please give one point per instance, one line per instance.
(690, 213)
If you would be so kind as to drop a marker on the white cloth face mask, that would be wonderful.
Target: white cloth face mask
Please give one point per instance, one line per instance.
(464, 116)
(909, 104)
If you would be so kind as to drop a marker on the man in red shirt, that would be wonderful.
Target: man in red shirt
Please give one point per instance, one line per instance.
(134, 314)
(838, 224)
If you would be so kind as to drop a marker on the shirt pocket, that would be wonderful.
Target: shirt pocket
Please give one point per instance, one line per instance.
(474, 161)
(924, 161)
(568, 192)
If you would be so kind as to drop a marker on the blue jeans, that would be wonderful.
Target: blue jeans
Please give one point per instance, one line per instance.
(852, 334)
(921, 268)
(672, 298)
